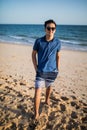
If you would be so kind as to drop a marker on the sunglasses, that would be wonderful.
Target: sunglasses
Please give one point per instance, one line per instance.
(49, 28)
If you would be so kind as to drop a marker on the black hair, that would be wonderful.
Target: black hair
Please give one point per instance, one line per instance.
(49, 21)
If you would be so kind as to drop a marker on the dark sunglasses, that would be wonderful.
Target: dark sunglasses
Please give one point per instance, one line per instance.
(49, 28)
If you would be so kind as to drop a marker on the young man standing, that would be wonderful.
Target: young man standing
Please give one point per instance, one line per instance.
(45, 57)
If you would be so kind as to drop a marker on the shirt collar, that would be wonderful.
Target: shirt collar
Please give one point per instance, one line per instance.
(47, 41)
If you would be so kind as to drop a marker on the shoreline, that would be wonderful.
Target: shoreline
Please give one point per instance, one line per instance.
(31, 44)
(68, 98)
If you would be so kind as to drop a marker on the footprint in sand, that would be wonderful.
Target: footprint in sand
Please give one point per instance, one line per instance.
(64, 98)
(62, 107)
(74, 115)
(72, 124)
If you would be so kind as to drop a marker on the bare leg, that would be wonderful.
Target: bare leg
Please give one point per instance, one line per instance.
(48, 92)
(37, 102)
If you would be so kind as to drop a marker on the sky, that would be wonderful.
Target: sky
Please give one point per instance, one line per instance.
(67, 12)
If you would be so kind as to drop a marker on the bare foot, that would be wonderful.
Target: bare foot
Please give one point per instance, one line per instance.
(36, 116)
(47, 102)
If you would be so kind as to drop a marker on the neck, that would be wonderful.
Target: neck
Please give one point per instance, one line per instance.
(49, 38)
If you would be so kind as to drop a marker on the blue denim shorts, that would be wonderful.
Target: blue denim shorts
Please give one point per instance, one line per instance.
(45, 79)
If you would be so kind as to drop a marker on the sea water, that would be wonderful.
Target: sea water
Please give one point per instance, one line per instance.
(73, 37)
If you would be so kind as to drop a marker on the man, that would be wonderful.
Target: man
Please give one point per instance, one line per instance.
(46, 50)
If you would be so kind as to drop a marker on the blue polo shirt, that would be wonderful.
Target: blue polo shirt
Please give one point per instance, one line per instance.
(46, 52)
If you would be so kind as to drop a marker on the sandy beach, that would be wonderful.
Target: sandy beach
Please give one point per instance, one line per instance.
(68, 107)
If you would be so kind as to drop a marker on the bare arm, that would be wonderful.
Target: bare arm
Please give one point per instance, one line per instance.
(58, 60)
(34, 60)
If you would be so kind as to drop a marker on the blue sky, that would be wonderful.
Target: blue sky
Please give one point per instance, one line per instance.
(37, 11)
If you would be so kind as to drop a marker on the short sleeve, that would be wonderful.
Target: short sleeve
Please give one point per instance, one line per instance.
(59, 46)
(35, 47)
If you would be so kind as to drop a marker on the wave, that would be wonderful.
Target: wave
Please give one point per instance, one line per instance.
(25, 39)
(31, 39)
(17, 39)
(70, 42)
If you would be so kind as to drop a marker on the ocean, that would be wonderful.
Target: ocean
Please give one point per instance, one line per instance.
(73, 37)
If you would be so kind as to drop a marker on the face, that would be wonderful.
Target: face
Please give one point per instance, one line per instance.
(50, 29)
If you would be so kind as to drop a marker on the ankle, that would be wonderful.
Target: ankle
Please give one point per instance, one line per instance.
(36, 116)
(47, 102)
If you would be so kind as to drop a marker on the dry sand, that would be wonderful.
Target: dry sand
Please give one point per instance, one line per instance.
(68, 108)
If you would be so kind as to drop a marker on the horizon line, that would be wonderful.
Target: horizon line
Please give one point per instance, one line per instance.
(40, 24)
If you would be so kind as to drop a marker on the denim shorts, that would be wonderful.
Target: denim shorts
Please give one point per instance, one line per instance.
(45, 79)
